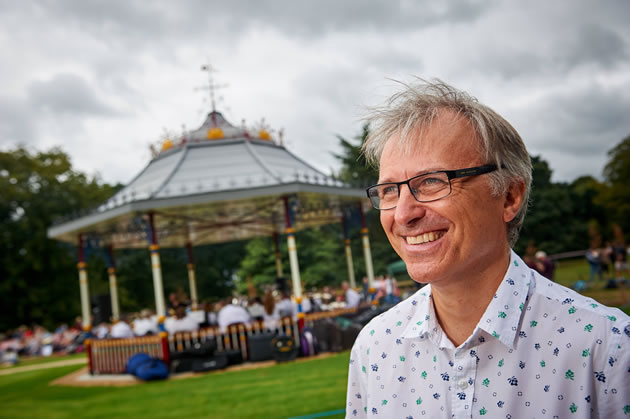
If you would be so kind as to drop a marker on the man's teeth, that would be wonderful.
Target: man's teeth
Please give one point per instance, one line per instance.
(424, 238)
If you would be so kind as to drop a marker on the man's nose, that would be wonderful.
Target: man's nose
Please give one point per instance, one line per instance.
(408, 208)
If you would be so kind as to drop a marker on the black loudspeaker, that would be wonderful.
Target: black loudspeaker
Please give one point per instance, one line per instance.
(284, 348)
(182, 365)
(328, 335)
(216, 362)
(234, 356)
(101, 308)
(260, 347)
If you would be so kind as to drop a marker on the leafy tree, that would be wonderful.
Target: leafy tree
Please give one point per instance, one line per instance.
(556, 219)
(38, 275)
(355, 169)
(617, 175)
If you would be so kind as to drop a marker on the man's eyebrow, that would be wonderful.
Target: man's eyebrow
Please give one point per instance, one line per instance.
(388, 179)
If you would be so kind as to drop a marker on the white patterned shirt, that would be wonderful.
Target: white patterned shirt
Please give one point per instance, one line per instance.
(540, 350)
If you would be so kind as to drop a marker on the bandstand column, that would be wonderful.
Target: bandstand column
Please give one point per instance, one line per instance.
(83, 287)
(192, 281)
(367, 252)
(113, 285)
(154, 248)
(349, 262)
(293, 259)
(293, 262)
(276, 245)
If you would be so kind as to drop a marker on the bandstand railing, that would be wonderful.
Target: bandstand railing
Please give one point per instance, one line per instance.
(109, 356)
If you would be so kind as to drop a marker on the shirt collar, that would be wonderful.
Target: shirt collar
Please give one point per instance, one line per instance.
(423, 318)
(501, 318)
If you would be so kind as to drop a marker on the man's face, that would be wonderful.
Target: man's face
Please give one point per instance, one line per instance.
(468, 226)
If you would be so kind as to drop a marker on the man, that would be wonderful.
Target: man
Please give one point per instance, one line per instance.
(352, 297)
(488, 336)
(285, 307)
(146, 324)
(232, 313)
(180, 322)
(121, 329)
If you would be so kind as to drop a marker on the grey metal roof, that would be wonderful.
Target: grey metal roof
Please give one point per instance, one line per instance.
(229, 187)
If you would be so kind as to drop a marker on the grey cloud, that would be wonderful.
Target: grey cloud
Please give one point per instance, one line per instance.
(575, 130)
(67, 94)
(593, 44)
(17, 123)
(164, 21)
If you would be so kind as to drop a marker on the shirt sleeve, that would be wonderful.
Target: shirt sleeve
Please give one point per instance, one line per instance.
(356, 397)
(615, 394)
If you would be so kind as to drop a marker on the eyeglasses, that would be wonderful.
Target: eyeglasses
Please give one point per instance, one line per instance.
(426, 187)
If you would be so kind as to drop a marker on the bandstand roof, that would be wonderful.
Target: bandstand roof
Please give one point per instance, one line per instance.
(217, 183)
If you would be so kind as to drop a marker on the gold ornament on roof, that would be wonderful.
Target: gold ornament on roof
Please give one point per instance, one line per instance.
(263, 134)
(215, 133)
(167, 144)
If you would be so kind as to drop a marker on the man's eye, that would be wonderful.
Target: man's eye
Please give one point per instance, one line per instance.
(432, 182)
(389, 190)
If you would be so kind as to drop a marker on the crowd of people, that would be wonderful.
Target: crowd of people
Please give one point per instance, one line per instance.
(608, 263)
(269, 308)
(37, 341)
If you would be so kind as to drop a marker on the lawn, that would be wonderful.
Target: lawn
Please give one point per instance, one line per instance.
(286, 390)
(43, 360)
(568, 272)
(281, 391)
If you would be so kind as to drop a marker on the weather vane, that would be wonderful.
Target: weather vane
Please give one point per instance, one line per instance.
(212, 87)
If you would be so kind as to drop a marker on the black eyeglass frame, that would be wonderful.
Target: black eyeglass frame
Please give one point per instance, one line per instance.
(450, 174)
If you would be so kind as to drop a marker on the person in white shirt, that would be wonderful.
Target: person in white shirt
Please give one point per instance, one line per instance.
(488, 336)
(256, 309)
(231, 314)
(181, 322)
(285, 307)
(145, 324)
(121, 329)
(352, 297)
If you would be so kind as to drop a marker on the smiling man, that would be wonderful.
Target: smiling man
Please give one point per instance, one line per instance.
(488, 336)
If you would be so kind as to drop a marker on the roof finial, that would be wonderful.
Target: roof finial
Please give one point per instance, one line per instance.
(212, 86)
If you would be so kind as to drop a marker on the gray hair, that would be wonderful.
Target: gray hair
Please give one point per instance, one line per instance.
(417, 105)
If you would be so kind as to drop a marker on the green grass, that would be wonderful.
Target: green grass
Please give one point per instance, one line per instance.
(281, 391)
(569, 271)
(284, 390)
(43, 360)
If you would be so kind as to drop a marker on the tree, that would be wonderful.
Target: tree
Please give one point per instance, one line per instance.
(355, 169)
(38, 276)
(617, 175)
(555, 221)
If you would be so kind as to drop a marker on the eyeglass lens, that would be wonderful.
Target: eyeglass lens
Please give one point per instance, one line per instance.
(424, 188)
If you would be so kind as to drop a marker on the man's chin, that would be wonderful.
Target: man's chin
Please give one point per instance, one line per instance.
(424, 273)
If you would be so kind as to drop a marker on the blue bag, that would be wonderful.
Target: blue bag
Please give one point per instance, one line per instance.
(135, 361)
(155, 369)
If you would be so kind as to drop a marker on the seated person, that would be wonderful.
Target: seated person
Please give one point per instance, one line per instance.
(285, 307)
(121, 328)
(180, 322)
(146, 324)
(351, 296)
(231, 313)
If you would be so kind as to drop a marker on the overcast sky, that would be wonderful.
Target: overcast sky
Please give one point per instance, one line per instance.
(104, 79)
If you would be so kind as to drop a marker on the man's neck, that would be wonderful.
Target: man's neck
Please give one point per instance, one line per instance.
(459, 304)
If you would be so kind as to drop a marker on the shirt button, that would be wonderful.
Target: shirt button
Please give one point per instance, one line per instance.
(462, 384)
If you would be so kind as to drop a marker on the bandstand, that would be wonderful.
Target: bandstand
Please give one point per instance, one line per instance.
(215, 184)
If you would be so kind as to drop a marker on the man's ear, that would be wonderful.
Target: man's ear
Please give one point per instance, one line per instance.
(513, 200)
